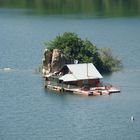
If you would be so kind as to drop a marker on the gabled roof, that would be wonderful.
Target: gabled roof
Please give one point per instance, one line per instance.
(82, 71)
(68, 77)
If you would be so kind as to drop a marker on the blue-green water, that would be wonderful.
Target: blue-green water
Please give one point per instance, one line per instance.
(28, 112)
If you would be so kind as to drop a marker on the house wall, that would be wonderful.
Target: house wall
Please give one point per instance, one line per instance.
(90, 82)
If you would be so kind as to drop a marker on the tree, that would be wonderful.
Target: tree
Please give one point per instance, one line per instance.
(84, 51)
(109, 62)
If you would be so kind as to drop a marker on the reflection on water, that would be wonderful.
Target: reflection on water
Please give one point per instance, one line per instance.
(96, 8)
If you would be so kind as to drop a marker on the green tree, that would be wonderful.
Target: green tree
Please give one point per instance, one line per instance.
(109, 62)
(84, 51)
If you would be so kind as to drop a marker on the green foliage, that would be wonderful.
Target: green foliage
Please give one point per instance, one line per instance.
(38, 70)
(109, 62)
(91, 8)
(84, 51)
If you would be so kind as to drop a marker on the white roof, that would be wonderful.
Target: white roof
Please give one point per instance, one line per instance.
(82, 71)
(68, 77)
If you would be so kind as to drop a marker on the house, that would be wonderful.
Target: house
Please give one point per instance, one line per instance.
(84, 74)
(80, 79)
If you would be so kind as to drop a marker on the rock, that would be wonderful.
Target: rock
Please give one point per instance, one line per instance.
(54, 61)
(47, 61)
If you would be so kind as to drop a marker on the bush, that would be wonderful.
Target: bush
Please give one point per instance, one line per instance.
(109, 62)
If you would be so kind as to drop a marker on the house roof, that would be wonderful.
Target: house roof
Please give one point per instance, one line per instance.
(68, 77)
(82, 71)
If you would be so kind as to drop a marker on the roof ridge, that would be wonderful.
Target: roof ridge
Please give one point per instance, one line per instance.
(79, 64)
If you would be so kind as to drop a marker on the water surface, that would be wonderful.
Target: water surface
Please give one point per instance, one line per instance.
(28, 112)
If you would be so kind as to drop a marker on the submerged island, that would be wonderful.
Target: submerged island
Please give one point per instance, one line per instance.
(75, 65)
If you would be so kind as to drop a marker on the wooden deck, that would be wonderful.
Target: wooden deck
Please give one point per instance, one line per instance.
(114, 90)
(96, 91)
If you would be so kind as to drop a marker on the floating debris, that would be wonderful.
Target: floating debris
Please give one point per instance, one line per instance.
(7, 69)
(132, 118)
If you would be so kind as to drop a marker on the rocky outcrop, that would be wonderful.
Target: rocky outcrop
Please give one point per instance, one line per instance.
(47, 61)
(54, 60)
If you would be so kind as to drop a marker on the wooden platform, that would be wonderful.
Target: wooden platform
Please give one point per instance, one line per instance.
(95, 91)
(114, 90)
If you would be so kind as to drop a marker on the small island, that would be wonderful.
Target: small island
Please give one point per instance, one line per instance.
(75, 65)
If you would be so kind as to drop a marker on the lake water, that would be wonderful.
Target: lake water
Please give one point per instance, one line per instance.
(28, 112)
